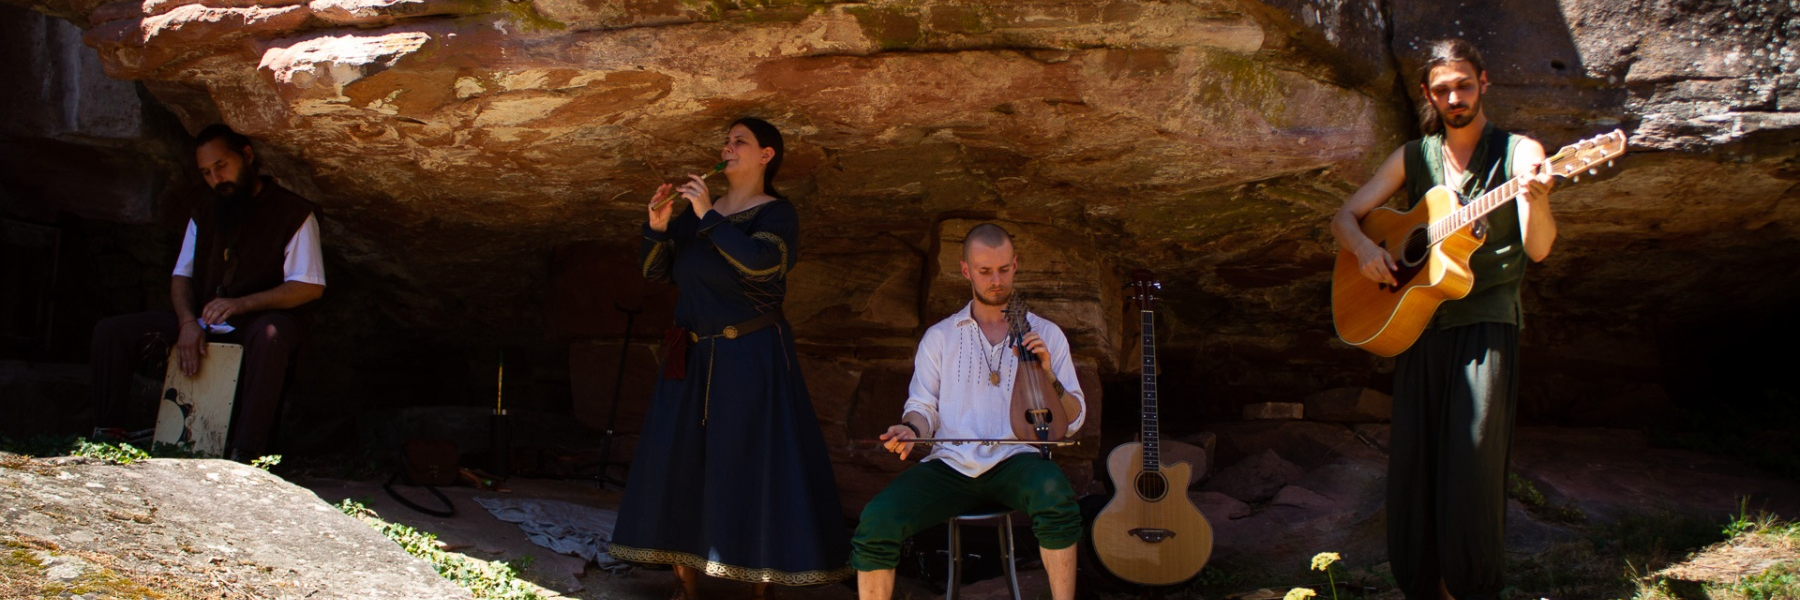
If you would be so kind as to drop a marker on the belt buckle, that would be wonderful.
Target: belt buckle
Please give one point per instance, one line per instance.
(730, 332)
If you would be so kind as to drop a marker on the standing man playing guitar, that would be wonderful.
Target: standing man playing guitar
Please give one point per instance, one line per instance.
(1455, 388)
(962, 382)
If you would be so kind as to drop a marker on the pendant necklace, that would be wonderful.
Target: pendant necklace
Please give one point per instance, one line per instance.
(993, 369)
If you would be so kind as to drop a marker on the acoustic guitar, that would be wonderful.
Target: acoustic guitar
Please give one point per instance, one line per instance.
(1431, 245)
(1150, 533)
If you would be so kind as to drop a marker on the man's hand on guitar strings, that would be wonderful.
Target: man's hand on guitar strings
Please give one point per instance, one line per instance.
(1537, 188)
(1377, 264)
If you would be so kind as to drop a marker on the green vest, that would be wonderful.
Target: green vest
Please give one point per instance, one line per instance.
(1499, 264)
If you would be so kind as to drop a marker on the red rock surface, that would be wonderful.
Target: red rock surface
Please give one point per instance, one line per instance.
(482, 167)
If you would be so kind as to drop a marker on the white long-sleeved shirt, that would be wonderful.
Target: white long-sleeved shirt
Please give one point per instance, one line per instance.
(952, 390)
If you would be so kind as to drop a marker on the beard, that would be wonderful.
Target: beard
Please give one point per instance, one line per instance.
(236, 196)
(999, 298)
(1462, 120)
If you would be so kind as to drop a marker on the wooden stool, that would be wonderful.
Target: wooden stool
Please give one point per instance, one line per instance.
(1006, 549)
(197, 410)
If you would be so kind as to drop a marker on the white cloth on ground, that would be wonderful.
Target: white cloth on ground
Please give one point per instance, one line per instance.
(565, 527)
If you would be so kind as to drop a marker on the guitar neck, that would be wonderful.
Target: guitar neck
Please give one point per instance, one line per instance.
(1480, 207)
(1567, 163)
(1563, 162)
(1152, 458)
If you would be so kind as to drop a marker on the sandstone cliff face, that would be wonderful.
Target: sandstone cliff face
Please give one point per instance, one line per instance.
(483, 164)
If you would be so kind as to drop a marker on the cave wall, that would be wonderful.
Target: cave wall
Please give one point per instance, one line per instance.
(482, 167)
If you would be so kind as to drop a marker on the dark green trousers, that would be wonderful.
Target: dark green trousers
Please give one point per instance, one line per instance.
(932, 492)
(1455, 394)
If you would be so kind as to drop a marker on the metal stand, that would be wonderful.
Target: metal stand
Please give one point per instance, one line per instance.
(953, 582)
(500, 444)
(499, 429)
(612, 416)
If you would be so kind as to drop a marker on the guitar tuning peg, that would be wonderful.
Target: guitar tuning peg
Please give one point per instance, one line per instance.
(1593, 171)
(1609, 164)
(1576, 179)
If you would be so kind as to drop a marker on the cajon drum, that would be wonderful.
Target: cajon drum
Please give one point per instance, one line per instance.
(197, 410)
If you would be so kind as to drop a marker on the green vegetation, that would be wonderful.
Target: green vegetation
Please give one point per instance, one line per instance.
(1337, 577)
(1653, 556)
(1523, 490)
(1323, 561)
(18, 569)
(121, 453)
(22, 576)
(1780, 582)
(1609, 558)
(1759, 560)
(486, 580)
(266, 462)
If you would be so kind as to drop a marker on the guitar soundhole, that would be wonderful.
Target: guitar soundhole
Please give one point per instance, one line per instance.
(1417, 248)
(1152, 486)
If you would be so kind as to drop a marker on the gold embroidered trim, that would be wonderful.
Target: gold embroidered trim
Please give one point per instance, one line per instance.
(718, 569)
(741, 216)
(656, 250)
(780, 265)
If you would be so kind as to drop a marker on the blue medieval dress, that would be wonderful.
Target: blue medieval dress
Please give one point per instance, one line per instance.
(731, 475)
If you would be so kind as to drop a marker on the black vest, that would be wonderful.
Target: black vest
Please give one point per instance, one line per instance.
(250, 259)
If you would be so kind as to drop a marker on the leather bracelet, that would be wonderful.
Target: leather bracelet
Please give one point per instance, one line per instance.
(915, 430)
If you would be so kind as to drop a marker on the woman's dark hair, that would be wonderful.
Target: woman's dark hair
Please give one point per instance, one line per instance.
(1437, 54)
(767, 136)
(220, 131)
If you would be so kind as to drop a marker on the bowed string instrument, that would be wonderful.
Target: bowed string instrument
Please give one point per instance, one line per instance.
(1036, 411)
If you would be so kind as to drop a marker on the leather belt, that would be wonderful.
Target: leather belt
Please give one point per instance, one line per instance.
(732, 332)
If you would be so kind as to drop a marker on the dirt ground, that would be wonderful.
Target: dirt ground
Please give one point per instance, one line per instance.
(475, 532)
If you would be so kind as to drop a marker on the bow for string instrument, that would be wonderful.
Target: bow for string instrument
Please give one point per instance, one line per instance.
(1036, 411)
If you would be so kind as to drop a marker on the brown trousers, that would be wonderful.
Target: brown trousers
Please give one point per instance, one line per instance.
(269, 342)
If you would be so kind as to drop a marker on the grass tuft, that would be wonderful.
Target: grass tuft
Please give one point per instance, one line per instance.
(1759, 559)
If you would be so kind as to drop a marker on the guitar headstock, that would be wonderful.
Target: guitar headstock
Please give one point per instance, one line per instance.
(1586, 155)
(1144, 287)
